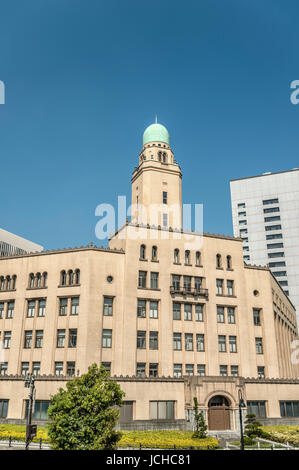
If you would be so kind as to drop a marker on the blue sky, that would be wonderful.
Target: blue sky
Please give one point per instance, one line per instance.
(85, 78)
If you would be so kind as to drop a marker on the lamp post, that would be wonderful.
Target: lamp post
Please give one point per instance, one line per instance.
(241, 405)
(30, 428)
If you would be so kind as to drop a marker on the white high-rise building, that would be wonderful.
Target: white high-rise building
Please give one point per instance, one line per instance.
(265, 212)
(11, 244)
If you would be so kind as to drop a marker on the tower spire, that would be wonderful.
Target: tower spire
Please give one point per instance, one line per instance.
(156, 119)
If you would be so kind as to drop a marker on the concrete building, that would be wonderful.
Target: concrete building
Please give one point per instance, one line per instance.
(11, 244)
(171, 314)
(265, 212)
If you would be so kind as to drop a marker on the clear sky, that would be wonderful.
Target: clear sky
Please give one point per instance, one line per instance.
(84, 78)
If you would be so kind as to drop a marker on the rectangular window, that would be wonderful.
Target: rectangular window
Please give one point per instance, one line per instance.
(220, 314)
(272, 219)
(73, 338)
(10, 309)
(165, 220)
(200, 342)
(259, 345)
(177, 341)
(219, 286)
(272, 209)
(153, 309)
(279, 273)
(39, 335)
(188, 341)
(40, 409)
(60, 339)
(3, 368)
(258, 408)
(108, 306)
(107, 339)
(28, 339)
(70, 369)
(36, 368)
(176, 282)
(289, 409)
(177, 370)
(154, 280)
(279, 254)
(141, 339)
(63, 307)
(142, 279)
(241, 205)
(41, 308)
(176, 310)
(242, 222)
(162, 410)
(24, 368)
(198, 283)
(140, 369)
(75, 306)
(230, 287)
(141, 308)
(261, 372)
(3, 408)
(243, 231)
(223, 370)
(31, 308)
(256, 316)
(274, 237)
(199, 312)
(153, 339)
(221, 343)
(6, 339)
(201, 370)
(271, 246)
(189, 369)
(153, 370)
(58, 370)
(233, 344)
(277, 264)
(234, 371)
(164, 197)
(242, 214)
(270, 201)
(1, 310)
(268, 228)
(187, 283)
(231, 318)
(187, 312)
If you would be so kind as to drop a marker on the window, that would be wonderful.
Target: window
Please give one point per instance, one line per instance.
(219, 286)
(28, 339)
(242, 214)
(60, 339)
(10, 309)
(233, 344)
(268, 228)
(259, 345)
(3, 408)
(177, 370)
(41, 308)
(107, 366)
(162, 410)
(142, 252)
(176, 256)
(197, 258)
(274, 237)
(272, 209)
(256, 316)
(154, 253)
(153, 370)
(187, 312)
(221, 343)
(108, 306)
(271, 246)
(142, 279)
(230, 287)
(70, 369)
(283, 283)
(31, 308)
(289, 409)
(277, 264)
(279, 254)
(243, 231)
(242, 222)
(36, 368)
(258, 408)
(270, 201)
(58, 368)
(234, 371)
(261, 372)
(39, 336)
(177, 341)
(40, 409)
(229, 262)
(153, 309)
(107, 339)
(6, 339)
(223, 370)
(165, 220)
(24, 368)
(200, 342)
(141, 339)
(241, 205)
(187, 283)
(279, 273)
(220, 314)
(1, 309)
(176, 282)
(153, 339)
(176, 310)
(272, 219)
(199, 312)
(189, 369)
(188, 341)
(231, 315)
(154, 280)
(164, 197)
(63, 307)
(218, 261)
(187, 257)
(201, 370)
(3, 368)
(141, 308)
(197, 283)
(63, 278)
(73, 338)
(140, 369)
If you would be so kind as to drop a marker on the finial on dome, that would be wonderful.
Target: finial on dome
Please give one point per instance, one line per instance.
(156, 119)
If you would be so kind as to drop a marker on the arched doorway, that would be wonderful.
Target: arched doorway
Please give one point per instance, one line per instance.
(219, 413)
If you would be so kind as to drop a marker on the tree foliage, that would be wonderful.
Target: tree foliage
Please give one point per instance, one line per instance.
(200, 424)
(252, 426)
(84, 415)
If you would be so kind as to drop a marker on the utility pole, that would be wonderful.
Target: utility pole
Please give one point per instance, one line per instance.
(31, 429)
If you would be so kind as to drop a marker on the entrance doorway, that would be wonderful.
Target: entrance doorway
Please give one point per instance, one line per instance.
(218, 413)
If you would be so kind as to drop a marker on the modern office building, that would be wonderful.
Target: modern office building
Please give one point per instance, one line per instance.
(265, 212)
(171, 314)
(11, 244)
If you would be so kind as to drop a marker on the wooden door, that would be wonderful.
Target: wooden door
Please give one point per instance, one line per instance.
(219, 418)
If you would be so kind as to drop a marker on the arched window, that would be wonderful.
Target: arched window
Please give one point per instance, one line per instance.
(176, 256)
(77, 276)
(197, 258)
(164, 157)
(159, 156)
(63, 278)
(45, 276)
(2, 283)
(14, 281)
(229, 262)
(38, 280)
(154, 253)
(142, 251)
(71, 277)
(187, 257)
(218, 261)
(8, 282)
(31, 281)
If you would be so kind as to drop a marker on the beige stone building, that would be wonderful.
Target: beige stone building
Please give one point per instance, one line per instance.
(172, 314)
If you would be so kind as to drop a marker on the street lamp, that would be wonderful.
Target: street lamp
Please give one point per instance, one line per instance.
(31, 429)
(241, 405)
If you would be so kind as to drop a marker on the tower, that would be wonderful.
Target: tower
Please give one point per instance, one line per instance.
(157, 181)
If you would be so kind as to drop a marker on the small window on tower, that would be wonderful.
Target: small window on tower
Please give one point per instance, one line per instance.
(164, 197)
(165, 220)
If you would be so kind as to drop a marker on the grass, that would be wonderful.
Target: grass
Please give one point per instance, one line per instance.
(18, 432)
(284, 434)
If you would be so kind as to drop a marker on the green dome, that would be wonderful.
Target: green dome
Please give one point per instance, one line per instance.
(156, 133)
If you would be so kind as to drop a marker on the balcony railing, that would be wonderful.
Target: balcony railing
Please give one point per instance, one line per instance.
(185, 290)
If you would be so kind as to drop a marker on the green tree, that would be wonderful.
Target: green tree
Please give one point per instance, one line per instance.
(252, 426)
(200, 424)
(84, 415)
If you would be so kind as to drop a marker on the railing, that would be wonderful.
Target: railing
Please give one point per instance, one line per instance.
(139, 446)
(19, 442)
(174, 289)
